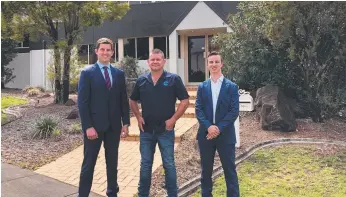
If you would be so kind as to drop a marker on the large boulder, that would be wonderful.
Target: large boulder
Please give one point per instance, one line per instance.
(70, 102)
(275, 111)
(74, 114)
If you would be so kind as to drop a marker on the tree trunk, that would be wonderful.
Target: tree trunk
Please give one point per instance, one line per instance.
(66, 79)
(57, 83)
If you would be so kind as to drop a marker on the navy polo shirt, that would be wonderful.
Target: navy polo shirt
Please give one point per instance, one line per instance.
(158, 101)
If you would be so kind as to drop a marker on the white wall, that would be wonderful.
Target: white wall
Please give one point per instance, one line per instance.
(201, 16)
(181, 70)
(173, 52)
(21, 69)
(39, 60)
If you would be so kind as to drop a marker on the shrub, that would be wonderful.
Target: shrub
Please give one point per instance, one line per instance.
(76, 128)
(75, 69)
(132, 71)
(298, 46)
(56, 132)
(36, 88)
(45, 128)
(33, 92)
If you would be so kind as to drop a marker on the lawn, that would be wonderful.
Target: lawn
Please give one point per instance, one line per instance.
(8, 101)
(291, 171)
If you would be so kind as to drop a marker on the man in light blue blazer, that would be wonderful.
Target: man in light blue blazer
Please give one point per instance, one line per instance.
(217, 108)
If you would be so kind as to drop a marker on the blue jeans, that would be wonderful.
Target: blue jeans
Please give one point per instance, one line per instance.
(147, 148)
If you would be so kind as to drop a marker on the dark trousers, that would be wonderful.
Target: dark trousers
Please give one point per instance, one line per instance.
(227, 156)
(147, 148)
(91, 150)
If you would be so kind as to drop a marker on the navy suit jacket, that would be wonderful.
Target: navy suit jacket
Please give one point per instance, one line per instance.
(227, 110)
(100, 107)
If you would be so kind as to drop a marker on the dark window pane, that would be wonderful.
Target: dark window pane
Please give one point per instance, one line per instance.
(26, 40)
(142, 48)
(92, 54)
(160, 43)
(167, 56)
(115, 56)
(130, 48)
(83, 53)
(116, 52)
(179, 46)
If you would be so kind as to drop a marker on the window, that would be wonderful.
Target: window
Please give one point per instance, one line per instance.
(83, 54)
(115, 56)
(167, 41)
(92, 58)
(130, 47)
(179, 56)
(160, 43)
(142, 48)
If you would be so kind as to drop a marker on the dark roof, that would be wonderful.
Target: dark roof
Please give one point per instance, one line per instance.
(142, 20)
(154, 19)
(150, 19)
(223, 8)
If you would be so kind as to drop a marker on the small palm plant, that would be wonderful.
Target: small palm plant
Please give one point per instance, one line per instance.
(45, 128)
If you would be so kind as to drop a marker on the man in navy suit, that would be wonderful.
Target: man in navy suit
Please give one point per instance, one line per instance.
(217, 108)
(104, 112)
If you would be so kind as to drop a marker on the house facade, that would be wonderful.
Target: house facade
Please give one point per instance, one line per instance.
(182, 30)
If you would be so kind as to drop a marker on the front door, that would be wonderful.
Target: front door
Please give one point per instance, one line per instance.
(198, 48)
(196, 59)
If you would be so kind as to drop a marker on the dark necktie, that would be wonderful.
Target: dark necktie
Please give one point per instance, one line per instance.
(108, 81)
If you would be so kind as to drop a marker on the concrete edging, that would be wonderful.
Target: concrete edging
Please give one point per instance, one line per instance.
(191, 186)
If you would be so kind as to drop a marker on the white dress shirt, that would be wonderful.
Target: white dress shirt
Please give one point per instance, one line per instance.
(215, 91)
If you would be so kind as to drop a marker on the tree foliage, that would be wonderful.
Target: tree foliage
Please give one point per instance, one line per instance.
(48, 17)
(7, 54)
(299, 46)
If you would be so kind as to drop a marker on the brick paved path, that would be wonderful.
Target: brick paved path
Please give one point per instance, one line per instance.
(67, 167)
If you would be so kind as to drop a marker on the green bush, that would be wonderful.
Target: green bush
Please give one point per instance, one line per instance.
(75, 69)
(132, 71)
(45, 128)
(298, 46)
(76, 128)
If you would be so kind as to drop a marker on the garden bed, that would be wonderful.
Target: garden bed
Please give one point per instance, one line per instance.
(187, 157)
(17, 145)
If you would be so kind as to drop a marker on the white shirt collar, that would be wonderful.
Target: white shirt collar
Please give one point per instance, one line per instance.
(220, 79)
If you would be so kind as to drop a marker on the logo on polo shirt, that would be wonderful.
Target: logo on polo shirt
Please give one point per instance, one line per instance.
(165, 83)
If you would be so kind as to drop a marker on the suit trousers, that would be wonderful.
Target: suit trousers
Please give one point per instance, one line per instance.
(110, 140)
(226, 152)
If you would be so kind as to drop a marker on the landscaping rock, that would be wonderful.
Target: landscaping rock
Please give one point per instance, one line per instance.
(44, 95)
(274, 109)
(74, 114)
(70, 102)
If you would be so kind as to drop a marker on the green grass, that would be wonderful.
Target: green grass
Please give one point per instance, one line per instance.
(289, 171)
(9, 101)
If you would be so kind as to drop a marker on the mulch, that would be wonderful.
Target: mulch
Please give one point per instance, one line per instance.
(18, 147)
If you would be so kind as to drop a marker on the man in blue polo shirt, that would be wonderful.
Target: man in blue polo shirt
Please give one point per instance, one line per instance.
(157, 92)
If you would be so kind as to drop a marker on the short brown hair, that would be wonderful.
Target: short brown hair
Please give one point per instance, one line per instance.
(104, 41)
(158, 51)
(214, 53)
